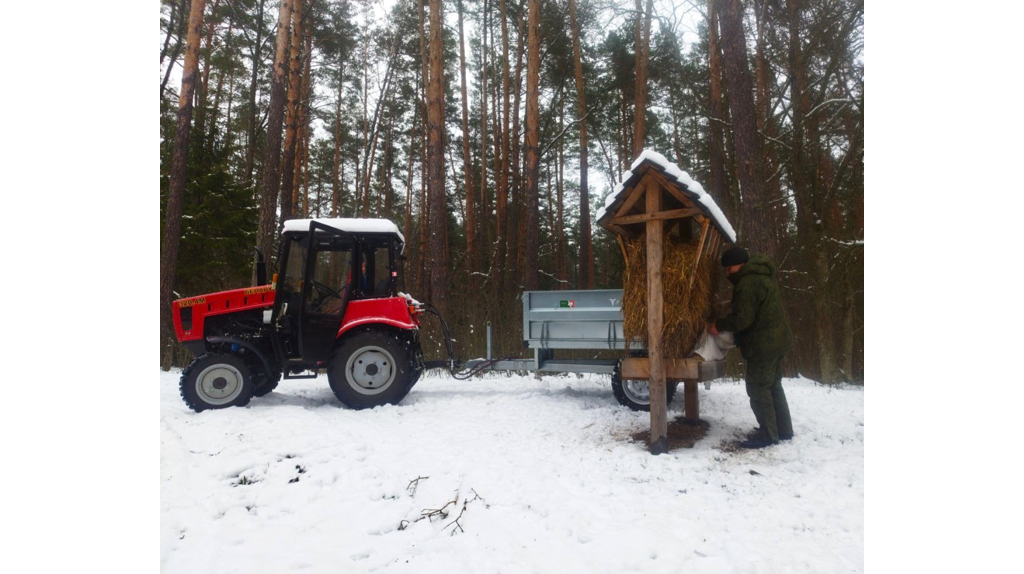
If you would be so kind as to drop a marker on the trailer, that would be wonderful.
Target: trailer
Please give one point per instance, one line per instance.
(592, 320)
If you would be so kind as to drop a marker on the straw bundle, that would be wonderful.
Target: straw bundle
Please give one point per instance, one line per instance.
(686, 313)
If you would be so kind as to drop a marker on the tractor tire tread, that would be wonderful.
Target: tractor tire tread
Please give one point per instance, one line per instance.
(404, 379)
(185, 385)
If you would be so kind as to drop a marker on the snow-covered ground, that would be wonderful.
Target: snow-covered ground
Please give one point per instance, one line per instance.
(544, 469)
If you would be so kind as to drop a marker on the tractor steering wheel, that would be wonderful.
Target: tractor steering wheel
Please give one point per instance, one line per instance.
(325, 294)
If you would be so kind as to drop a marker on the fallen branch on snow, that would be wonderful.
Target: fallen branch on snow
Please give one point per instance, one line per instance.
(414, 484)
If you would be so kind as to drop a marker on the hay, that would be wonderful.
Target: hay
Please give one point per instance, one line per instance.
(686, 314)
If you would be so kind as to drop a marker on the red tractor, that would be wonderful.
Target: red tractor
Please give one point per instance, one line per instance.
(334, 305)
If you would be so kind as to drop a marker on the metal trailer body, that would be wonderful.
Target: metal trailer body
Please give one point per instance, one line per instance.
(582, 319)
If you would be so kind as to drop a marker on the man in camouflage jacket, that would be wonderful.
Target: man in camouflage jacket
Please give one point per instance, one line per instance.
(762, 333)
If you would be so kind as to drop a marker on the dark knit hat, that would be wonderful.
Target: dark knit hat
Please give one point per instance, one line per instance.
(734, 256)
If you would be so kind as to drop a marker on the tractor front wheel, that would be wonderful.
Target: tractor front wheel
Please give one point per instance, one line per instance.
(268, 384)
(216, 381)
(371, 368)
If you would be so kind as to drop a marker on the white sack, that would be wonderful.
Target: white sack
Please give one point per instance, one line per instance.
(714, 348)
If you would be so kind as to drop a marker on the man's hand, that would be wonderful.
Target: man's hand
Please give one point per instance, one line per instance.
(712, 329)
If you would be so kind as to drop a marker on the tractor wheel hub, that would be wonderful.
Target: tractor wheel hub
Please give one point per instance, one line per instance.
(219, 384)
(370, 370)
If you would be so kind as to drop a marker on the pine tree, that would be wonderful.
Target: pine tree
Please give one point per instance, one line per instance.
(531, 263)
(176, 193)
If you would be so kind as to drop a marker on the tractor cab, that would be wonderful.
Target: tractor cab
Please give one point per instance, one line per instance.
(326, 266)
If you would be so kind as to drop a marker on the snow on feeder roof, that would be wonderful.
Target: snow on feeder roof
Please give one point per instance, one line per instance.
(670, 175)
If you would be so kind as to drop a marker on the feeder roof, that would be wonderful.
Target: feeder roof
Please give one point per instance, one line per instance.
(651, 159)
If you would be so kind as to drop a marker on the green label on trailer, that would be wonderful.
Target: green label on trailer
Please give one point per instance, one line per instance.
(567, 304)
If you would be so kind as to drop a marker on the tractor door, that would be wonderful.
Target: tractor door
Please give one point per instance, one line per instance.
(326, 290)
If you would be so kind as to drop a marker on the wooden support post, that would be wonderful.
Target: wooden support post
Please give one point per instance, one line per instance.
(655, 322)
(691, 404)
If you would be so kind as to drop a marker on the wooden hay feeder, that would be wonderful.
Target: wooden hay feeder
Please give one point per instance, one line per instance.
(658, 205)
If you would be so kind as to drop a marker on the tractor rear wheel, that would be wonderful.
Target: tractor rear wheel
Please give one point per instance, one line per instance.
(636, 394)
(216, 381)
(371, 368)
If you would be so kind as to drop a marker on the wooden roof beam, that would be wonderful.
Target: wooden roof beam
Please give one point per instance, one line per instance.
(631, 200)
(672, 188)
(643, 217)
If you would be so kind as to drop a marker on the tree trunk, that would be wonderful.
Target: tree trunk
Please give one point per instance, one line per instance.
(551, 212)
(361, 178)
(757, 229)
(517, 169)
(407, 223)
(501, 197)
(291, 132)
(182, 24)
(272, 159)
(764, 79)
(717, 137)
(227, 118)
(425, 263)
(530, 262)
(386, 171)
(374, 134)
(643, 49)
(202, 90)
(170, 28)
(304, 117)
(301, 131)
(492, 227)
(804, 153)
(467, 166)
(563, 274)
(176, 192)
(257, 51)
(483, 126)
(337, 137)
(435, 161)
(586, 277)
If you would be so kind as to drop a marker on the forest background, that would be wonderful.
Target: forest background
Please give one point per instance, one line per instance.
(490, 131)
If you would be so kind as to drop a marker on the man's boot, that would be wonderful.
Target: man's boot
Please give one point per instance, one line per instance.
(757, 439)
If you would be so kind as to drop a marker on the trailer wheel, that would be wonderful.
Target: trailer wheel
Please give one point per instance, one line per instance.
(216, 381)
(371, 368)
(636, 394)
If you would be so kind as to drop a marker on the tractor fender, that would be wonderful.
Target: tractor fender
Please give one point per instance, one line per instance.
(391, 311)
(376, 321)
(247, 346)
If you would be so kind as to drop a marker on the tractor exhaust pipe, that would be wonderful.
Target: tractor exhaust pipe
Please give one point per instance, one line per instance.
(261, 268)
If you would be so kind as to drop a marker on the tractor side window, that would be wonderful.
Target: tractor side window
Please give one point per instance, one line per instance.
(381, 273)
(330, 278)
(292, 280)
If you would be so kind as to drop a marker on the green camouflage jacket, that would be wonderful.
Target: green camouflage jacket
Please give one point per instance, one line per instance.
(758, 317)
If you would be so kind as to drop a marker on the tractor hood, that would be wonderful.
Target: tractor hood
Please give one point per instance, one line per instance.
(188, 313)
